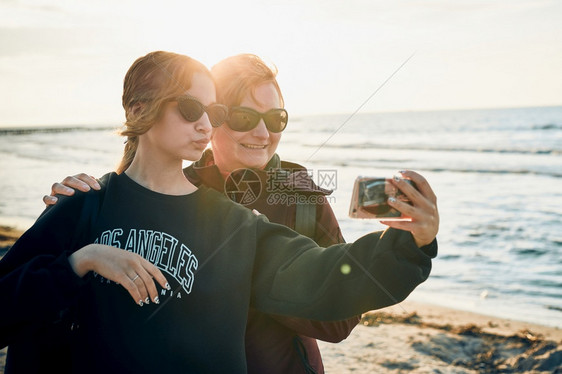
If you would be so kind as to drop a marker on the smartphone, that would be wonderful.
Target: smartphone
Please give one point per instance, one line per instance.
(369, 199)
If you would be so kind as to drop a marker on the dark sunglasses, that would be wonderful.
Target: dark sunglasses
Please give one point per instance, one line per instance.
(241, 118)
(191, 109)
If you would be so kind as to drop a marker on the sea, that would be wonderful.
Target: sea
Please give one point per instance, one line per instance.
(497, 175)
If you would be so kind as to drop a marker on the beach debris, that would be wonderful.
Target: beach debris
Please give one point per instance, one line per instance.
(468, 330)
(529, 335)
(470, 347)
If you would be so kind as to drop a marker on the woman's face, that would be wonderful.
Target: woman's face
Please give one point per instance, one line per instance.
(175, 138)
(252, 149)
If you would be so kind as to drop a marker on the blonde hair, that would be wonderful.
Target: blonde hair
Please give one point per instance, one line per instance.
(150, 82)
(239, 75)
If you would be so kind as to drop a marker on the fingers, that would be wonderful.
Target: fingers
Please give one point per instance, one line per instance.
(129, 269)
(421, 196)
(81, 182)
(399, 225)
(86, 182)
(421, 184)
(147, 288)
(129, 284)
(61, 189)
(424, 223)
(407, 209)
(142, 286)
(156, 274)
(147, 276)
(50, 200)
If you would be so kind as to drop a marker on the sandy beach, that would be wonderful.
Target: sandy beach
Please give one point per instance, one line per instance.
(422, 338)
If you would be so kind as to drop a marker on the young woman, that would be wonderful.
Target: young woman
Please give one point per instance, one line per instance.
(249, 139)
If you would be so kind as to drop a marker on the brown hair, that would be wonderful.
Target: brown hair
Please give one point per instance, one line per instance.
(150, 82)
(239, 75)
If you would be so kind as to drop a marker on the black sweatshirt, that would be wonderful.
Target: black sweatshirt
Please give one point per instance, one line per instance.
(219, 259)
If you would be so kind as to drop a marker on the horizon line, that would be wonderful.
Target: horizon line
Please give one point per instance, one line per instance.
(118, 123)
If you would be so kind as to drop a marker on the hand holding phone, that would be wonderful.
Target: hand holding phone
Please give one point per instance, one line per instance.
(370, 199)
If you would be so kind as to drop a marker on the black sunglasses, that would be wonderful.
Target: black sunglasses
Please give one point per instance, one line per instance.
(192, 109)
(242, 119)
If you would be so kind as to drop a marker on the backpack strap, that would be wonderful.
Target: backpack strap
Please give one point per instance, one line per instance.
(305, 219)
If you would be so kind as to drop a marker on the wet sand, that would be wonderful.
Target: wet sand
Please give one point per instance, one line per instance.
(422, 338)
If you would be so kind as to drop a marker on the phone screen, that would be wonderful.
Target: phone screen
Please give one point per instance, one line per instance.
(370, 196)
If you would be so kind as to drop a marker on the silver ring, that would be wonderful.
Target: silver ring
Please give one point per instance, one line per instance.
(135, 278)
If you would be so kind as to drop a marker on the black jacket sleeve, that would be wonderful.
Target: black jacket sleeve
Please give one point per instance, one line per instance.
(327, 233)
(337, 282)
(36, 279)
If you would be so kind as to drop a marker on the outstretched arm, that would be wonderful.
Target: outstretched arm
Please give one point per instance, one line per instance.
(337, 282)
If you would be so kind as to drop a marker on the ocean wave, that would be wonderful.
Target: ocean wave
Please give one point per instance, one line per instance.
(548, 126)
(498, 171)
(362, 162)
(409, 147)
(394, 164)
(530, 251)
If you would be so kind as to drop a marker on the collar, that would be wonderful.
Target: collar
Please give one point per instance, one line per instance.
(291, 176)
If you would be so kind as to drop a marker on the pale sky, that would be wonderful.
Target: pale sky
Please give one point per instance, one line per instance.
(63, 62)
